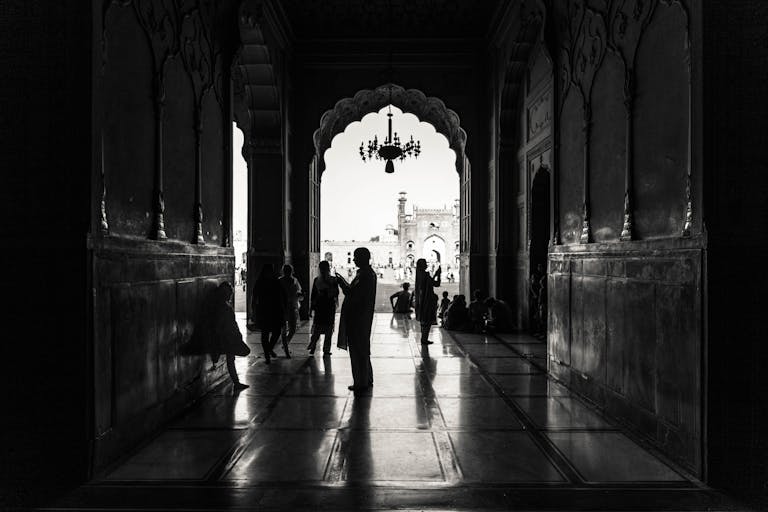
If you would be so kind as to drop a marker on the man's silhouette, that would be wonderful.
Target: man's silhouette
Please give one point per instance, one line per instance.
(357, 319)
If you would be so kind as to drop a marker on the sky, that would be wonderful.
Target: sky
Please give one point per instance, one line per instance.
(358, 199)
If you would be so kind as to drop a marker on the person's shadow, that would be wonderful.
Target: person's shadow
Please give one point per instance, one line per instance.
(359, 466)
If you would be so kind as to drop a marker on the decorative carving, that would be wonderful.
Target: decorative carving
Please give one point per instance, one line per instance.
(688, 225)
(431, 110)
(626, 229)
(538, 116)
(103, 225)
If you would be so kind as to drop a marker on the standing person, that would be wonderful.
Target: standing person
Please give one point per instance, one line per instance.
(323, 301)
(268, 305)
(293, 294)
(357, 319)
(401, 301)
(425, 298)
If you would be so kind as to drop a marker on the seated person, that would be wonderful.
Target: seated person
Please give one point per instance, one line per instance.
(500, 316)
(478, 312)
(456, 317)
(401, 301)
(443, 307)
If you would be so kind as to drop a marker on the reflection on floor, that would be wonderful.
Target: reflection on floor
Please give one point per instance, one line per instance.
(469, 422)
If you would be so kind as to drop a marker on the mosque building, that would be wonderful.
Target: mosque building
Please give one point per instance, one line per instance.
(429, 233)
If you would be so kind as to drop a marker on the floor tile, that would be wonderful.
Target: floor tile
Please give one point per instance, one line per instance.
(178, 455)
(611, 457)
(319, 385)
(482, 412)
(461, 385)
(273, 456)
(224, 411)
(391, 349)
(560, 412)
(529, 385)
(383, 366)
(260, 385)
(501, 457)
(506, 365)
(306, 412)
(490, 350)
(387, 412)
(397, 385)
(392, 456)
(452, 366)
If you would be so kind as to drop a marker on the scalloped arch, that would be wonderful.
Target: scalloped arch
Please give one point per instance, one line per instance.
(427, 109)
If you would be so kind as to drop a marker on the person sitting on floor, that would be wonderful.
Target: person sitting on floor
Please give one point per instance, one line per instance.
(457, 317)
(478, 312)
(500, 316)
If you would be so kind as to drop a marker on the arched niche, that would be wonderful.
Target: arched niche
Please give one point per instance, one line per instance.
(426, 109)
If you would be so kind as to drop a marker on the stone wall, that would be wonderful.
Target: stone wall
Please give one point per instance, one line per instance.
(625, 329)
(161, 208)
(626, 316)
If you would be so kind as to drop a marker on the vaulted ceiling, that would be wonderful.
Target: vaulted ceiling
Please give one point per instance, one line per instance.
(376, 19)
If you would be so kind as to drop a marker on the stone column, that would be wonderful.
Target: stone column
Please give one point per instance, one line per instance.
(266, 229)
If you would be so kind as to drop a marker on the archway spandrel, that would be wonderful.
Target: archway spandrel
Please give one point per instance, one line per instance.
(413, 101)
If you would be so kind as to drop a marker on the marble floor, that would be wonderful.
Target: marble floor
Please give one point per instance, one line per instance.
(468, 423)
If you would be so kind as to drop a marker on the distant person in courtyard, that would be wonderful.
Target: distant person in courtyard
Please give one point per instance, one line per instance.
(216, 332)
(268, 305)
(500, 316)
(243, 276)
(425, 298)
(357, 319)
(478, 312)
(323, 301)
(444, 307)
(293, 295)
(401, 301)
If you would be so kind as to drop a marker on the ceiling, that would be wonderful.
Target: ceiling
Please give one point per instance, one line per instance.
(370, 19)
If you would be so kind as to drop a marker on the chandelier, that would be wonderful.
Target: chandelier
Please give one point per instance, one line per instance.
(391, 149)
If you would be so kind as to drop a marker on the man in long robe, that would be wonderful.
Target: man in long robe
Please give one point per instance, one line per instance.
(357, 319)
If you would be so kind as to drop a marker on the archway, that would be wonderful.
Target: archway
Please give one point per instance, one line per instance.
(426, 110)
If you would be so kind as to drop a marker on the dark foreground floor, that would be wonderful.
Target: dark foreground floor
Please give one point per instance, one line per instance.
(472, 423)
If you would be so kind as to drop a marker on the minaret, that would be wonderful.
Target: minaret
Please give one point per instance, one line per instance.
(457, 208)
(400, 218)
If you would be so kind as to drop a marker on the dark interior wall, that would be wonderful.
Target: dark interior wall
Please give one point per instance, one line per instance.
(735, 49)
(160, 101)
(45, 151)
(625, 97)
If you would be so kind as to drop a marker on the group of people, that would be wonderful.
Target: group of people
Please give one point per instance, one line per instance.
(275, 307)
(482, 315)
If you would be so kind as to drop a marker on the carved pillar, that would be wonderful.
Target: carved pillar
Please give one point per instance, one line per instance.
(585, 227)
(103, 224)
(159, 202)
(199, 238)
(629, 104)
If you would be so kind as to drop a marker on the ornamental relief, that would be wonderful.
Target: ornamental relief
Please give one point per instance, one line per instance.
(539, 115)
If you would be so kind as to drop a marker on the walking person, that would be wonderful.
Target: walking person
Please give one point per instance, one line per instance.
(323, 301)
(293, 295)
(357, 319)
(425, 298)
(401, 301)
(268, 305)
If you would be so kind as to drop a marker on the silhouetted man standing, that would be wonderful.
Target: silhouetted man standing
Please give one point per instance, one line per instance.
(357, 318)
